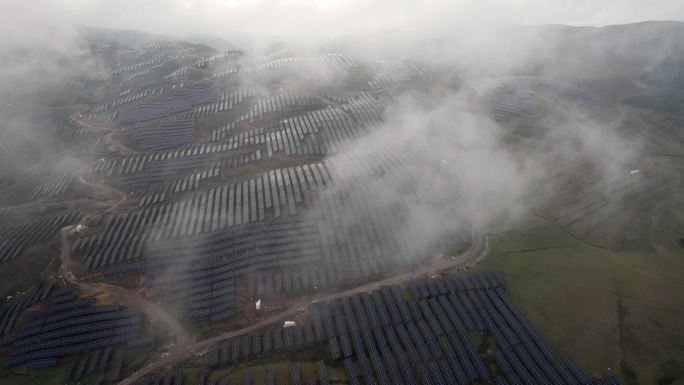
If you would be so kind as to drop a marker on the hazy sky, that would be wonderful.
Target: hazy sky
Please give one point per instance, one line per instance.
(323, 18)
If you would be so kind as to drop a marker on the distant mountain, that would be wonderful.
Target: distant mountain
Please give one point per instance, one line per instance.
(630, 50)
(105, 38)
(573, 53)
(215, 42)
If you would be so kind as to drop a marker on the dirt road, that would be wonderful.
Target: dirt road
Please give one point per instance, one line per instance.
(126, 297)
(110, 141)
(117, 199)
(478, 249)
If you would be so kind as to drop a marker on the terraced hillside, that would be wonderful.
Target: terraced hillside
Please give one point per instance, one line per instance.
(166, 230)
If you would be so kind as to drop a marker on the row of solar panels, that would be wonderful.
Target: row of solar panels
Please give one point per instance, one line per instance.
(11, 310)
(280, 102)
(204, 211)
(95, 362)
(229, 101)
(179, 100)
(66, 325)
(291, 281)
(204, 377)
(287, 187)
(424, 326)
(127, 97)
(170, 176)
(166, 135)
(218, 250)
(16, 239)
(188, 182)
(180, 159)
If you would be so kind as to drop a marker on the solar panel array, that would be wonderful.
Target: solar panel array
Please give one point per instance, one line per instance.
(66, 325)
(11, 310)
(101, 364)
(244, 188)
(417, 333)
(205, 376)
(180, 99)
(15, 239)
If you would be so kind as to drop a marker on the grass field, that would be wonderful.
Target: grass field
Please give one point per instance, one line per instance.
(615, 312)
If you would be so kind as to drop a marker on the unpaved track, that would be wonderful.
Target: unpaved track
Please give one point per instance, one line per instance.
(109, 138)
(118, 197)
(118, 294)
(179, 353)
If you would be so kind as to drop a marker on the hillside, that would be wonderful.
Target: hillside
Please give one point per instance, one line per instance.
(173, 213)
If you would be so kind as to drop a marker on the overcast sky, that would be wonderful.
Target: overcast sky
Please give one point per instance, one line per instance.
(322, 18)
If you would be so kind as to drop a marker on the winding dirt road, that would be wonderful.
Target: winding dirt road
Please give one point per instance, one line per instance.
(118, 197)
(478, 249)
(110, 141)
(131, 298)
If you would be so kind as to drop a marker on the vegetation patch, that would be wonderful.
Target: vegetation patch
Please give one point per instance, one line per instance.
(616, 312)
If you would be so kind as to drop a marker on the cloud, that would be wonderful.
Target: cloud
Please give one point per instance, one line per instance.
(319, 20)
(449, 163)
(465, 144)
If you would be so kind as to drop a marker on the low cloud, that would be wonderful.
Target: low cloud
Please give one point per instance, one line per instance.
(450, 164)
